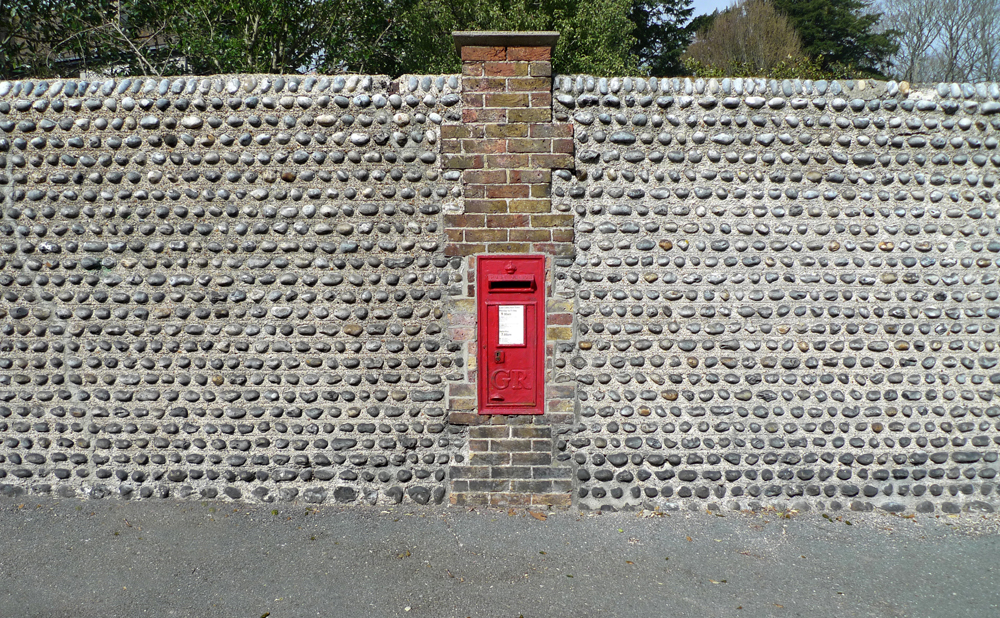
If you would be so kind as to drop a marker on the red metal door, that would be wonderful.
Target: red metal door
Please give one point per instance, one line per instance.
(511, 311)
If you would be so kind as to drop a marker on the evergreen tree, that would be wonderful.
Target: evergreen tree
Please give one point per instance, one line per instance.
(660, 34)
(841, 33)
(703, 22)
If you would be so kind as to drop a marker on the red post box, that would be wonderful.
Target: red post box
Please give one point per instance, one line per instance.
(511, 317)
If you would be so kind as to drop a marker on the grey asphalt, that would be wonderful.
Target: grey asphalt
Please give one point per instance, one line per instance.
(78, 558)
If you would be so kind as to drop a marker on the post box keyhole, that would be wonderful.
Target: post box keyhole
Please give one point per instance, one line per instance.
(498, 356)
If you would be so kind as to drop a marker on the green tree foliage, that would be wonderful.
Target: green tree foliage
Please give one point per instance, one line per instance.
(273, 36)
(841, 32)
(595, 35)
(24, 38)
(661, 35)
(46, 37)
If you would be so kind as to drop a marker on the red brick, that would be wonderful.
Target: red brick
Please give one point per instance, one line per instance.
(510, 499)
(509, 247)
(540, 445)
(531, 459)
(492, 485)
(531, 431)
(461, 249)
(563, 235)
(529, 145)
(564, 146)
(551, 220)
(455, 131)
(470, 472)
(529, 115)
(511, 472)
(560, 418)
(552, 161)
(506, 221)
(472, 69)
(492, 459)
(485, 115)
(465, 418)
(540, 190)
(530, 235)
(484, 84)
(557, 500)
(508, 191)
(533, 206)
(472, 99)
(480, 446)
(551, 130)
(462, 390)
(485, 235)
(486, 177)
(506, 99)
(494, 432)
(559, 318)
(462, 334)
(506, 130)
(460, 498)
(490, 146)
(471, 192)
(540, 68)
(532, 487)
(461, 161)
(486, 53)
(458, 319)
(554, 249)
(454, 235)
(464, 220)
(486, 206)
(561, 391)
(531, 176)
(541, 99)
(508, 161)
(526, 53)
(529, 84)
(506, 69)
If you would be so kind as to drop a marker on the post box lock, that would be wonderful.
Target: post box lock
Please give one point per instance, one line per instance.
(511, 328)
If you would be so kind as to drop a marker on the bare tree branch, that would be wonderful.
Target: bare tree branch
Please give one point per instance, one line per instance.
(751, 33)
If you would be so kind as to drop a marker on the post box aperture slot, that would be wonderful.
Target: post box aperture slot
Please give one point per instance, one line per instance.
(510, 283)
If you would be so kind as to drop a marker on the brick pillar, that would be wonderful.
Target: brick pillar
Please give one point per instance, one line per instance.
(507, 147)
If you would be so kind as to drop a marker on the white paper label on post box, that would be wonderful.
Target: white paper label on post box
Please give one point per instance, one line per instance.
(511, 321)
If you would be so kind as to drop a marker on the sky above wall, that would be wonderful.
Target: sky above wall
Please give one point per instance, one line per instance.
(707, 6)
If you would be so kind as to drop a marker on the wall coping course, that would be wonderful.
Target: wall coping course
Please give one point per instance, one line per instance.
(504, 38)
(735, 86)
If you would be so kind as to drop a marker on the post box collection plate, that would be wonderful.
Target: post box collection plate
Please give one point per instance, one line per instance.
(511, 333)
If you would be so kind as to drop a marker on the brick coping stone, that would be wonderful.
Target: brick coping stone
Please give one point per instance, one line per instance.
(503, 38)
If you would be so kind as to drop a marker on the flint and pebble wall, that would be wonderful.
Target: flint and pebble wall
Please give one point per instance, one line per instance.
(227, 286)
(786, 293)
(262, 288)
